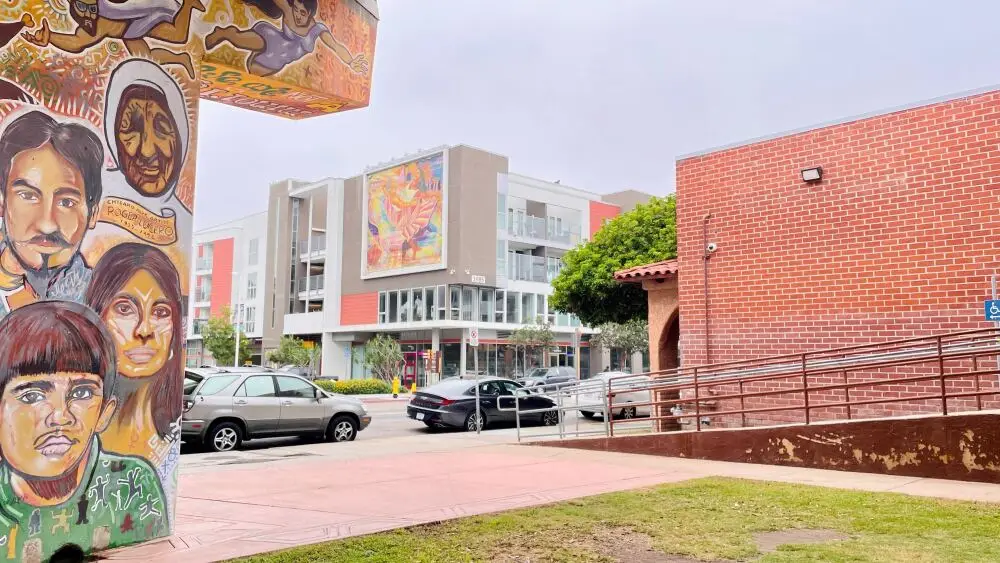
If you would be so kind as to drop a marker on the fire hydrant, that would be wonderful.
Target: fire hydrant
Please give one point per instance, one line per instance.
(395, 387)
(413, 387)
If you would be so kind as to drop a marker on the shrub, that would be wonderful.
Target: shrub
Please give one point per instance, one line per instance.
(355, 386)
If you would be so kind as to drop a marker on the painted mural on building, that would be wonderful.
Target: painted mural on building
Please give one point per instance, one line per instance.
(407, 218)
(98, 137)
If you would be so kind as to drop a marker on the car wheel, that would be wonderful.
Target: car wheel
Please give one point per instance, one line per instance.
(224, 437)
(550, 418)
(628, 412)
(470, 422)
(588, 415)
(342, 429)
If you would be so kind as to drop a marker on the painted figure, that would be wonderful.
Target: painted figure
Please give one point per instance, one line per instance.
(8, 31)
(272, 49)
(131, 22)
(50, 174)
(57, 393)
(136, 291)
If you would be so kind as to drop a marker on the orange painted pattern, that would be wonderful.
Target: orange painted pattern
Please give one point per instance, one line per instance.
(359, 309)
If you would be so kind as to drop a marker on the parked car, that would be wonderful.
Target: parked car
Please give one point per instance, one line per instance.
(452, 403)
(540, 380)
(593, 397)
(301, 371)
(223, 409)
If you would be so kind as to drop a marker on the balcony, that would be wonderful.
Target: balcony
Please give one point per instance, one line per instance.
(523, 267)
(203, 264)
(197, 326)
(540, 229)
(311, 286)
(314, 252)
(202, 295)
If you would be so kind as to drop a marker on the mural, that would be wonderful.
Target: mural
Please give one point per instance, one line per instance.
(407, 218)
(98, 137)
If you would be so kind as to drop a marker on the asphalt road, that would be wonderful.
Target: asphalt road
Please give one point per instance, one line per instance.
(389, 420)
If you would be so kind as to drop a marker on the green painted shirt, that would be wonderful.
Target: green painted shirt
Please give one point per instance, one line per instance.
(119, 502)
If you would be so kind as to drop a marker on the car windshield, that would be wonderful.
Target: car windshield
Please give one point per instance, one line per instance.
(216, 384)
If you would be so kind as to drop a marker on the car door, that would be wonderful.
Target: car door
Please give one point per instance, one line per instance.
(525, 401)
(488, 393)
(256, 402)
(302, 410)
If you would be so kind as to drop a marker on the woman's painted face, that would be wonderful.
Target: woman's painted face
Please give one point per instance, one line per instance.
(140, 319)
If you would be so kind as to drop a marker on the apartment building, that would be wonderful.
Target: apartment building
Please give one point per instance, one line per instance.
(425, 248)
(228, 272)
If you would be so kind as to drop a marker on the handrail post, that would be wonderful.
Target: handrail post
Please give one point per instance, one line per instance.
(697, 403)
(847, 396)
(944, 397)
(517, 414)
(805, 387)
(609, 424)
(743, 407)
(975, 369)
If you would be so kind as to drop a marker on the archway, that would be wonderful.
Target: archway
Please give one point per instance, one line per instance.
(668, 348)
(98, 135)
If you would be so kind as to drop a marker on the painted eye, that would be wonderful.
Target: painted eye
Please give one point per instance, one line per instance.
(27, 196)
(67, 203)
(124, 309)
(81, 393)
(161, 312)
(32, 397)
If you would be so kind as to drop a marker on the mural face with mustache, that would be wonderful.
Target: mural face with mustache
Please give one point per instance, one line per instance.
(45, 209)
(147, 140)
(84, 13)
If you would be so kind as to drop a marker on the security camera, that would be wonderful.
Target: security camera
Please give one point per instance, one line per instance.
(712, 247)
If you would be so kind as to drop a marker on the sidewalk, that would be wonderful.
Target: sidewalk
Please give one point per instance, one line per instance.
(383, 398)
(227, 511)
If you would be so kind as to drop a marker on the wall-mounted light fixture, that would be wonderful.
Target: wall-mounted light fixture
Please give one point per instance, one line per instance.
(812, 174)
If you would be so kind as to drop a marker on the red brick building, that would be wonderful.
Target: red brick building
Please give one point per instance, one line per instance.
(898, 239)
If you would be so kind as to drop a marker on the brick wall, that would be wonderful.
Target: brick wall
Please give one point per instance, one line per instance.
(897, 241)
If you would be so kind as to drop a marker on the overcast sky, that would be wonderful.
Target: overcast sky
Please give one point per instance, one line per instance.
(604, 94)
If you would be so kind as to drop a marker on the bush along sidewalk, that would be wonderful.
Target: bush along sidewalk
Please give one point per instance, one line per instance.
(356, 386)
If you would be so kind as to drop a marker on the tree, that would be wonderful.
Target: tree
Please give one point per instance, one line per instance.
(631, 337)
(219, 338)
(586, 286)
(290, 351)
(384, 357)
(530, 338)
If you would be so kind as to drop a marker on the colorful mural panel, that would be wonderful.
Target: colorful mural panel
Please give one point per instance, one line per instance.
(407, 218)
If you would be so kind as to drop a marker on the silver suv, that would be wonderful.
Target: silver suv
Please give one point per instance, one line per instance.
(224, 408)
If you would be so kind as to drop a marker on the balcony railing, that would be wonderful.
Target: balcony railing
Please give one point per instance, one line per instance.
(311, 283)
(538, 228)
(526, 268)
(202, 264)
(318, 247)
(202, 296)
(198, 325)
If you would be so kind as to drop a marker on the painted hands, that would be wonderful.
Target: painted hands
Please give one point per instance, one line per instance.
(40, 37)
(359, 64)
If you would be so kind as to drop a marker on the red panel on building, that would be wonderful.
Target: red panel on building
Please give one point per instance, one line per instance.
(222, 275)
(601, 212)
(359, 309)
(897, 240)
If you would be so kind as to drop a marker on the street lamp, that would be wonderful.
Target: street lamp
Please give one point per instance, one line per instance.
(238, 311)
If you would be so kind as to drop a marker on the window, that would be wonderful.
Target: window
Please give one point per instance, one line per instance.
(551, 316)
(295, 388)
(508, 387)
(250, 323)
(486, 305)
(252, 252)
(513, 315)
(540, 304)
(393, 306)
(456, 300)
(418, 304)
(442, 302)
(499, 306)
(216, 384)
(257, 386)
(251, 285)
(381, 307)
(404, 306)
(528, 308)
(429, 303)
(468, 299)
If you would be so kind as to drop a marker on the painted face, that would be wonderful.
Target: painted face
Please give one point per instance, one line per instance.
(45, 208)
(300, 14)
(84, 13)
(148, 142)
(49, 421)
(140, 319)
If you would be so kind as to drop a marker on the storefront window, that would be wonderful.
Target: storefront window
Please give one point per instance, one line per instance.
(451, 357)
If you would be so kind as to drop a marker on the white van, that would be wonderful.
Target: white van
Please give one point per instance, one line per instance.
(594, 398)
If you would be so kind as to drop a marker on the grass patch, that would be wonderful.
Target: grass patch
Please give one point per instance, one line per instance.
(705, 519)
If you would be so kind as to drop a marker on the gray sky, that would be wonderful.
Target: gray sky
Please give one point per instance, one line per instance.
(604, 94)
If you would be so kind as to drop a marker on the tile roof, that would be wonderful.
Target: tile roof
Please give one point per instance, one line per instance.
(656, 270)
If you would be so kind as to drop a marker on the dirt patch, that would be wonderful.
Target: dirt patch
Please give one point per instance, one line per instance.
(769, 541)
(618, 545)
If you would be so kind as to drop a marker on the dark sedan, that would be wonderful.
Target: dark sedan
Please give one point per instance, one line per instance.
(452, 403)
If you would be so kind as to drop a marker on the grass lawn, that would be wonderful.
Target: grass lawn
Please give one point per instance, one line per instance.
(705, 519)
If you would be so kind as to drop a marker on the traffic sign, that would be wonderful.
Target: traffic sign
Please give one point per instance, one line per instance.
(474, 337)
(993, 310)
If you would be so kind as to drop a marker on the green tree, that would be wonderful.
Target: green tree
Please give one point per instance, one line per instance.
(586, 285)
(631, 337)
(384, 357)
(290, 351)
(219, 338)
(529, 338)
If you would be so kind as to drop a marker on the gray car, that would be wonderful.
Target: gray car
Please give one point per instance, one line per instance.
(222, 409)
